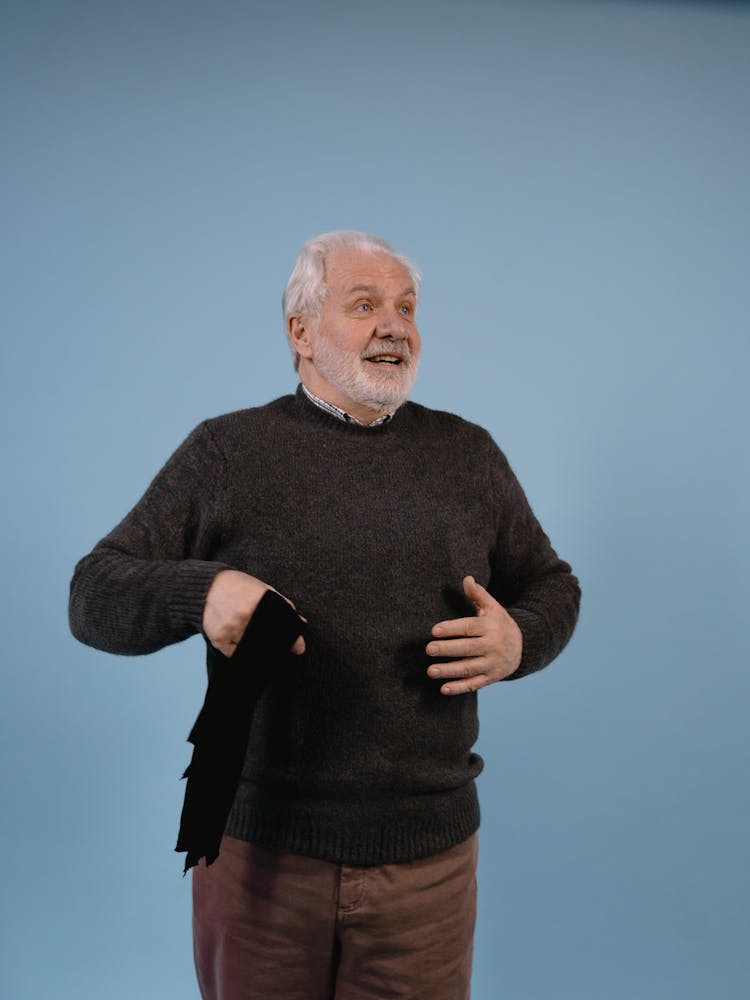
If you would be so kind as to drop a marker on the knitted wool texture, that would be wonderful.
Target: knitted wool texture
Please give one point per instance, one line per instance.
(354, 754)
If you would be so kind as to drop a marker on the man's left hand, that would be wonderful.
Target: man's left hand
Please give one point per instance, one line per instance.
(487, 647)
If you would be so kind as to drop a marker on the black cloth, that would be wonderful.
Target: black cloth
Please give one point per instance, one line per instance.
(221, 731)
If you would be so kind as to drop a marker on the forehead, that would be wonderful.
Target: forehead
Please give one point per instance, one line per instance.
(346, 267)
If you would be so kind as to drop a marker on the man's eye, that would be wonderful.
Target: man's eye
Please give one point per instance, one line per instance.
(365, 307)
(406, 310)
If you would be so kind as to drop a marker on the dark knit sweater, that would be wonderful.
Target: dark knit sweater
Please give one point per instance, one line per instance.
(354, 754)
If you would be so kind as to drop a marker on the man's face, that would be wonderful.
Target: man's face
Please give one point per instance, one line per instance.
(364, 346)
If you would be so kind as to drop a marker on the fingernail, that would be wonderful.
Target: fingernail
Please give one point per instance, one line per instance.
(437, 630)
(433, 648)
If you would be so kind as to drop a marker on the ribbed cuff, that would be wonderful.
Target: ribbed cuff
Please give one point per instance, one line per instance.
(186, 596)
(534, 655)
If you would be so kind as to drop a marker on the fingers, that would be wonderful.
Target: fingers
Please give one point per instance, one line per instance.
(457, 649)
(458, 669)
(462, 676)
(464, 642)
(465, 687)
(465, 627)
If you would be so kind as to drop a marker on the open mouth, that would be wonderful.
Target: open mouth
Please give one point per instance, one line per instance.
(385, 359)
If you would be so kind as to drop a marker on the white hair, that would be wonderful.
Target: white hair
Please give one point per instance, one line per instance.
(306, 287)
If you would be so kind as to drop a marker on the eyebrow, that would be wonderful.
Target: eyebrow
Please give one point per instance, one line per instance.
(372, 290)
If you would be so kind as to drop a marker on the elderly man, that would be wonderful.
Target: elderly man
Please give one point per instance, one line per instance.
(403, 538)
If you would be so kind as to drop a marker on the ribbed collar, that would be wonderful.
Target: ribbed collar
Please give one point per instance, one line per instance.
(323, 417)
(340, 414)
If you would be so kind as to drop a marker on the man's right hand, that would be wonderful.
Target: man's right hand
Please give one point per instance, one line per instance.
(230, 604)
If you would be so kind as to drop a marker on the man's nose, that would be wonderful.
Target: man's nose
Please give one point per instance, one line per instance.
(392, 324)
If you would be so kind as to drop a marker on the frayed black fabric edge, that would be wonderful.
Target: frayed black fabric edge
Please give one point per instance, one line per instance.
(221, 731)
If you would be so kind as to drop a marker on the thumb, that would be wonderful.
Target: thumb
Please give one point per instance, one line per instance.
(480, 598)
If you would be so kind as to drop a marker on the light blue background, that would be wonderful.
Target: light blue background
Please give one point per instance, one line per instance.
(572, 177)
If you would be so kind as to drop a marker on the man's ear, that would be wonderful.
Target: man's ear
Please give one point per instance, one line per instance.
(299, 334)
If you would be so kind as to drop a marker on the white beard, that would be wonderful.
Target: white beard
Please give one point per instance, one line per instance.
(381, 388)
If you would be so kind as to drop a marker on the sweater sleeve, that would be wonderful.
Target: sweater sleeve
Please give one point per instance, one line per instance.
(144, 585)
(535, 586)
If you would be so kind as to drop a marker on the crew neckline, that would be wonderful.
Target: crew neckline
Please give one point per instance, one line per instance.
(312, 411)
(336, 411)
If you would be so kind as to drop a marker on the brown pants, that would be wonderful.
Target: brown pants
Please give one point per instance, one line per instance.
(274, 925)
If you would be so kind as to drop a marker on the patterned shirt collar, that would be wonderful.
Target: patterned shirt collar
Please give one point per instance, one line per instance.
(340, 414)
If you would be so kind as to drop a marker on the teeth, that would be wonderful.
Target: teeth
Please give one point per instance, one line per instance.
(391, 358)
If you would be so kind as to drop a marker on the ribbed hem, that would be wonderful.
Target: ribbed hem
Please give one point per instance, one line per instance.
(356, 833)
